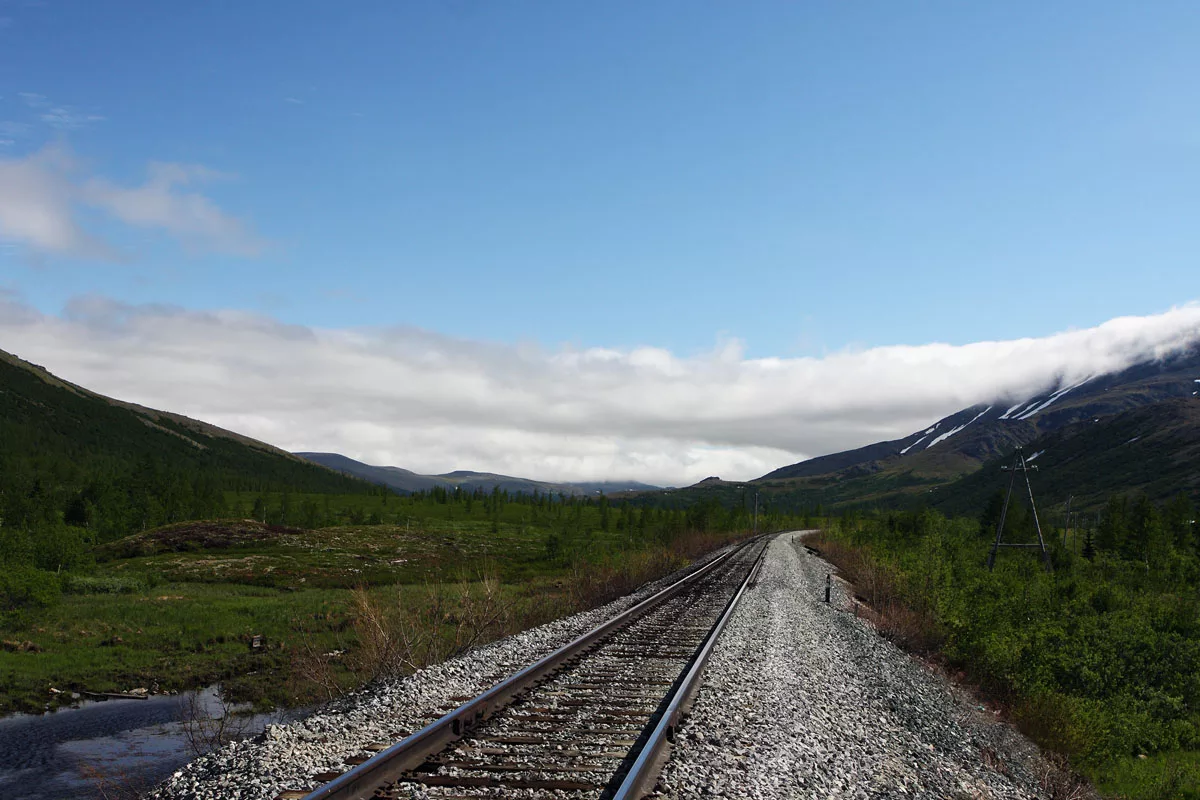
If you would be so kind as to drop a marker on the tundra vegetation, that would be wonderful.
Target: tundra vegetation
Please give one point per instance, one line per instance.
(140, 549)
(1098, 660)
(287, 597)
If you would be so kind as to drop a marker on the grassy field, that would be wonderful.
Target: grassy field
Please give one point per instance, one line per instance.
(1098, 660)
(179, 606)
(1173, 775)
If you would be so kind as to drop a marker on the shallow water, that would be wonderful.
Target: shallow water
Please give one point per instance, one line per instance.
(113, 745)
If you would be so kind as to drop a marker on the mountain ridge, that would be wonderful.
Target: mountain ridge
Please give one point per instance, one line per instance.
(150, 415)
(405, 480)
(966, 439)
(948, 464)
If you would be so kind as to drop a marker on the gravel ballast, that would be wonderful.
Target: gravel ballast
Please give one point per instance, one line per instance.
(800, 699)
(287, 756)
(805, 700)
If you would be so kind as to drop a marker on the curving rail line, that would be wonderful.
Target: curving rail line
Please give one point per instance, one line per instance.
(594, 719)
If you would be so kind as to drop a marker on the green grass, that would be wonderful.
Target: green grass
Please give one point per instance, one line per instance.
(1098, 660)
(176, 635)
(181, 635)
(354, 555)
(177, 606)
(1166, 776)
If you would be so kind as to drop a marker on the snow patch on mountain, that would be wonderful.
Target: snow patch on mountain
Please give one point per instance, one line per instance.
(1027, 414)
(914, 444)
(953, 431)
(1023, 410)
(1035, 455)
(1011, 410)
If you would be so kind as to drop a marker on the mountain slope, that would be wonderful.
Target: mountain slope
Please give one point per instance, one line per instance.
(110, 465)
(1153, 449)
(403, 480)
(400, 480)
(962, 442)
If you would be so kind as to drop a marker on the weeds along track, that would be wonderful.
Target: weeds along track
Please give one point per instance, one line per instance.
(591, 720)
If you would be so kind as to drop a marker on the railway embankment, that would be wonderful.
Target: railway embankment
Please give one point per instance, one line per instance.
(801, 698)
(332, 740)
(804, 699)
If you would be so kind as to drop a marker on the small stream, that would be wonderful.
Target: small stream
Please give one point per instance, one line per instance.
(113, 747)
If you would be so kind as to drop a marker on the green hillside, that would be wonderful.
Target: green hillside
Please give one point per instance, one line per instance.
(1152, 450)
(72, 459)
(127, 559)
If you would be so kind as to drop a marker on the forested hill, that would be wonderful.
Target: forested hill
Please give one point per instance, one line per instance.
(71, 457)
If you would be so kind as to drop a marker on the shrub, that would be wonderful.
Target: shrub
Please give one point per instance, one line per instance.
(59, 547)
(27, 587)
(102, 584)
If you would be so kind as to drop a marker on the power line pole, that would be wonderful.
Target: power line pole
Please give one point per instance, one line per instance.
(756, 513)
(1067, 528)
(1022, 466)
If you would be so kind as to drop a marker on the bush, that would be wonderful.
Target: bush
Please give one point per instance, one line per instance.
(27, 587)
(15, 546)
(105, 584)
(1099, 660)
(59, 547)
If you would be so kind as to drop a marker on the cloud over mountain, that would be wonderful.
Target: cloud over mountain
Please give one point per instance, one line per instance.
(431, 402)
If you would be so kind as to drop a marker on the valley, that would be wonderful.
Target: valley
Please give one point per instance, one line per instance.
(599, 401)
(149, 553)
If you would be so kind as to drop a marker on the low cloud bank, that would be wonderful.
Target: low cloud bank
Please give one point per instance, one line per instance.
(431, 403)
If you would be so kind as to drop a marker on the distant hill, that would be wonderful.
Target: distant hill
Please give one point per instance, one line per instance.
(401, 480)
(910, 469)
(67, 453)
(614, 487)
(407, 481)
(953, 464)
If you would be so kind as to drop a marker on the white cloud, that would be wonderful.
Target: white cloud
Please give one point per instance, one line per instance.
(158, 203)
(430, 402)
(43, 193)
(37, 209)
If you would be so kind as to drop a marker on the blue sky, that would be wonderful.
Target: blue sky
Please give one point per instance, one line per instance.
(801, 176)
(569, 240)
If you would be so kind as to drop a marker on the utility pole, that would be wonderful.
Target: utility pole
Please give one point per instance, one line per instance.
(1067, 527)
(756, 513)
(1019, 465)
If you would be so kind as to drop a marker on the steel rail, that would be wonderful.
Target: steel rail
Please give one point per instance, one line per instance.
(390, 765)
(642, 774)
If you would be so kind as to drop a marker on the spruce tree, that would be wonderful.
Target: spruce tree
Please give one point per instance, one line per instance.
(1146, 539)
(1089, 545)
(1112, 526)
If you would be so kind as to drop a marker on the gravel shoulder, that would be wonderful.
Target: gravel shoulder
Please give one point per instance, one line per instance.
(803, 699)
(287, 756)
(800, 699)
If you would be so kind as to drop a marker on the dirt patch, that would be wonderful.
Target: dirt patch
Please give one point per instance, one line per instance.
(190, 536)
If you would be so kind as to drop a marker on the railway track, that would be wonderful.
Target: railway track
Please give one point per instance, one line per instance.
(591, 720)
